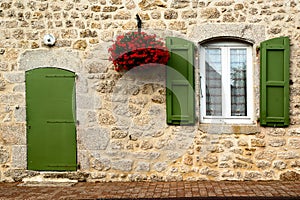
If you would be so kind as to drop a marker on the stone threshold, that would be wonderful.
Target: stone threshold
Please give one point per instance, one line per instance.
(42, 181)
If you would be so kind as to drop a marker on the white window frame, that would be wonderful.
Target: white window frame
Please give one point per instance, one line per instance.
(226, 117)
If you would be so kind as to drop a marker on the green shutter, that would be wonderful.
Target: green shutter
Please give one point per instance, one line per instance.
(274, 83)
(180, 82)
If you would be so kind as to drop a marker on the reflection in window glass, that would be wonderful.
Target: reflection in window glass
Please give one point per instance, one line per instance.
(238, 60)
(213, 70)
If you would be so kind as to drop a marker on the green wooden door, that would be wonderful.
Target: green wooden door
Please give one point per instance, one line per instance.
(51, 131)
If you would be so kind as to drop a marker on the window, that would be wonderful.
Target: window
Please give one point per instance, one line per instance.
(226, 82)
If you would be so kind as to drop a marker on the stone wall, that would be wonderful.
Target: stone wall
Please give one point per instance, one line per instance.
(121, 133)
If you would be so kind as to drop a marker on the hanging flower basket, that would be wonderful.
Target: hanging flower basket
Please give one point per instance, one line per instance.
(137, 49)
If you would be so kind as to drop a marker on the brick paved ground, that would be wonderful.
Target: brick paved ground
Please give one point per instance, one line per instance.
(181, 190)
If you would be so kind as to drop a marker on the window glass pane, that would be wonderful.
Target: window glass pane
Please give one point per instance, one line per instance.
(213, 73)
(238, 60)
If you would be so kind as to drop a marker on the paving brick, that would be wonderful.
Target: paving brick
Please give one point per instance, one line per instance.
(131, 190)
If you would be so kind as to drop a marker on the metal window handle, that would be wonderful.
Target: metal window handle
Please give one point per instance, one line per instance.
(201, 95)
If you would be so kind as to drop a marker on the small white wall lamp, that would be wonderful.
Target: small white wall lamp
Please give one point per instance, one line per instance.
(49, 39)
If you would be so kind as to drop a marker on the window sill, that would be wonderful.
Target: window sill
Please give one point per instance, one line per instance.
(244, 120)
(250, 129)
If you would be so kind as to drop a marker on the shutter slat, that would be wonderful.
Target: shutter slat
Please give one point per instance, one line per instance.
(274, 87)
(180, 82)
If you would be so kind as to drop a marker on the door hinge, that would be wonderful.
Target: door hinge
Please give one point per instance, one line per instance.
(60, 76)
(69, 122)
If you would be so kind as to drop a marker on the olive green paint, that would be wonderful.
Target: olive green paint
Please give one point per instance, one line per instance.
(51, 121)
(180, 82)
(274, 85)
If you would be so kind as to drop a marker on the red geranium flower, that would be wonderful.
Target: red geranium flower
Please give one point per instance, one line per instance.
(135, 49)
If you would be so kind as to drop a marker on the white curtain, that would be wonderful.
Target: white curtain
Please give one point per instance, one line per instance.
(238, 60)
(213, 65)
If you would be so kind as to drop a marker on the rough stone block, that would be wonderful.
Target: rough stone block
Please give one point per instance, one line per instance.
(160, 166)
(177, 25)
(158, 99)
(258, 142)
(290, 176)
(2, 84)
(269, 175)
(188, 160)
(244, 159)
(63, 58)
(146, 145)
(240, 165)
(189, 14)
(109, 9)
(118, 133)
(105, 86)
(80, 45)
(137, 177)
(4, 66)
(294, 143)
(20, 114)
(94, 138)
(116, 145)
(96, 8)
(83, 160)
(180, 4)
(101, 164)
(17, 87)
(210, 13)
(142, 167)
(266, 155)
(94, 66)
(288, 155)
(122, 165)
(130, 4)
(242, 143)
(224, 3)
(294, 131)
(122, 15)
(170, 14)
(277, 142)
(210, 158)
(146, 155)
(4, 155)
(280, 165)
(19, 156)
(106, 118)
(252, 175)
(82, 85)
(87, 118)
(85, 101)
(228, 174)
(12, 99)
(13, 134)
(295, 163)
(209, 172)
(156, 15)
(263, 164)
(224, 165)
(18, 174)
(151, 4)
(276, 132)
